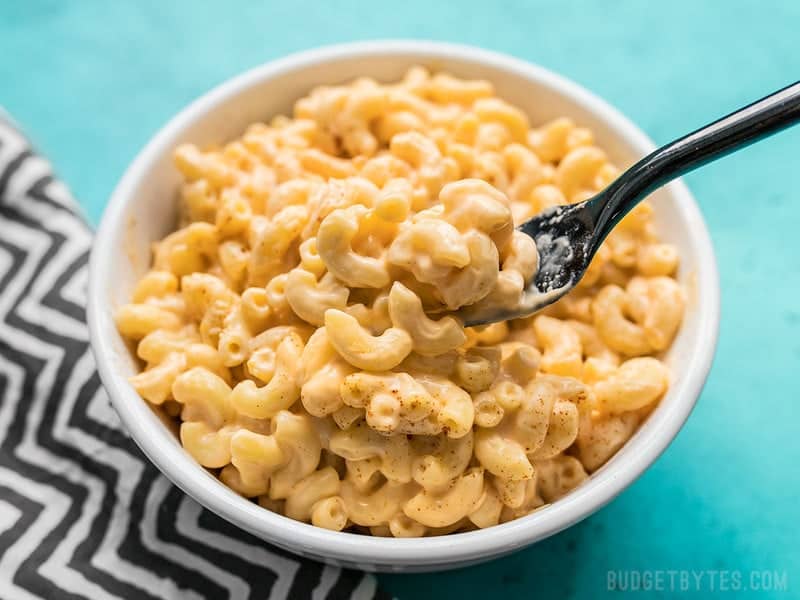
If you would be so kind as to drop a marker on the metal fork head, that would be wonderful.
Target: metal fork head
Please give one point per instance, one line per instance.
(564, 237)
(566, 241)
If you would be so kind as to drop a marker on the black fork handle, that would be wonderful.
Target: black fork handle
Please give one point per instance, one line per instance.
(739, 129)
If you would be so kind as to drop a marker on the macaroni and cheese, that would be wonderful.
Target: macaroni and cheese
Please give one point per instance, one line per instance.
(296, 324)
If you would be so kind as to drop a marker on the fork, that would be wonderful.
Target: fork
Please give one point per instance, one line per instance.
(567, 237)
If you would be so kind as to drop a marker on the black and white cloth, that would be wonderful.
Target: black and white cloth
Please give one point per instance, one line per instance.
(83, 514)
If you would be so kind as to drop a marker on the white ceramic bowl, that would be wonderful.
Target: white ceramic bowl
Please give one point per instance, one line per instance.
(142, 209)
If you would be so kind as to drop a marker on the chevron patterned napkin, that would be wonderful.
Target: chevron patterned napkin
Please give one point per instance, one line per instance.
(83, 514)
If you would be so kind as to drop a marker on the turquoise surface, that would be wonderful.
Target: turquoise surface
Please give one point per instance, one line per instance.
(92, 81)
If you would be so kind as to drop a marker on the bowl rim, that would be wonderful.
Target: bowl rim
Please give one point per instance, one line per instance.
(369, 551)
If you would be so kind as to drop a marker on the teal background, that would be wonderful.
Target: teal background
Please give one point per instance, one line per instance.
(92, 81)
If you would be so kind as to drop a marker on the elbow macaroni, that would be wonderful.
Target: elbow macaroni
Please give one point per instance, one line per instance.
(290, 323)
